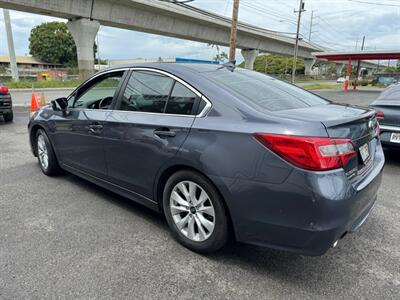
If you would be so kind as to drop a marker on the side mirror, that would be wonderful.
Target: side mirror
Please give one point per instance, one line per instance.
(60, 104)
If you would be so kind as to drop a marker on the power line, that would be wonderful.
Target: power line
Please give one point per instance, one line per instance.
(374, 3)
(267, 12)
(270, 10)
(334, 37)
(333, 29)
(279, 17)
(219, 17)
(282, 18)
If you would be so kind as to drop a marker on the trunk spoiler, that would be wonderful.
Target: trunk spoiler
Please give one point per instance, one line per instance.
(369, 113)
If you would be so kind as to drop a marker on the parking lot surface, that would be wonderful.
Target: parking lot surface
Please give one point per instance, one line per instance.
(64, 237)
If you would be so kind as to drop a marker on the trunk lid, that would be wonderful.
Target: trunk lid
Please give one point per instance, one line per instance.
(346, 122)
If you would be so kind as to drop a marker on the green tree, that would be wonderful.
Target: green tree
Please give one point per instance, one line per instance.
(2, 69)
(219, 55)
(276, 64)
(53, 43)
(393, 69)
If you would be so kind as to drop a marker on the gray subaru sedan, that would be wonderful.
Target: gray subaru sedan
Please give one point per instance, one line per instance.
(223, 153)
(387, 107)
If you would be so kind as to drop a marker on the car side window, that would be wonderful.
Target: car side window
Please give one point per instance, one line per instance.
(100, 93)
(181, 101)
(146, 92)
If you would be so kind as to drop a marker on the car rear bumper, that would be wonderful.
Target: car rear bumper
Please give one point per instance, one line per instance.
(307, 213)
(5, 111)
(5, 104)
(386, 132)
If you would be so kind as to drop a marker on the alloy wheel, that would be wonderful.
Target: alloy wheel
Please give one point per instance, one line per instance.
(192, 211)
(42, 152)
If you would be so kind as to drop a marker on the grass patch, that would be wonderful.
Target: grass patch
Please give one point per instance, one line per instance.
(320, 86)
(27, 84)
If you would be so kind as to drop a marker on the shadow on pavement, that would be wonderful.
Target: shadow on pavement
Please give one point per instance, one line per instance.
(392, 156)
(120, 201)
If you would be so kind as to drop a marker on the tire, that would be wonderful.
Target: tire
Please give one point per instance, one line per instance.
(8, 117)
(45, 154)
(190, 223)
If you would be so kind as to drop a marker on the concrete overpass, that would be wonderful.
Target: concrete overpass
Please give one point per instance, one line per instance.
(157, 17)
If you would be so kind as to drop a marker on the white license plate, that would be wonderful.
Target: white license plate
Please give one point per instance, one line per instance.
(364, 151)
(395, 137)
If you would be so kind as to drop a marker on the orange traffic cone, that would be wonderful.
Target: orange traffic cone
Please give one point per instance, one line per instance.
(34, 104)
(42, 101)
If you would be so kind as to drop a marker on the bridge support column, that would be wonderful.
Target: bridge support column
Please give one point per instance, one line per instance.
(249, 56)
(308, 64)
(339, 68)
(84, 33)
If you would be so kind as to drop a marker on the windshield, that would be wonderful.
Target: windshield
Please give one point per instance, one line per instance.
(265, 92)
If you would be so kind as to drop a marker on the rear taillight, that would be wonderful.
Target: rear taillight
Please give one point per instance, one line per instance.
(311, 153)
(380, 115)
(3, 89)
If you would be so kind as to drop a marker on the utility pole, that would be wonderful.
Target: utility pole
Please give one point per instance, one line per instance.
(296, 47)
(232, 47)
(10, 42)
(358, 65)
(311, 25)
(98, 50)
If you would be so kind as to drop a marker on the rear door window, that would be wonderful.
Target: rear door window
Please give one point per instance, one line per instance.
(146, 92)
(181, 101)
(150, 91)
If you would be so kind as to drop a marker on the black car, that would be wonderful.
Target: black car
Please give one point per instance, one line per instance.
(220, 152)
(5, 103)
(387, 107)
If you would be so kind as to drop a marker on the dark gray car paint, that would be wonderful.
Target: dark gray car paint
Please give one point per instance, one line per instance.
(270, 202)
(389, 103)
(85, 147)
(133, 150)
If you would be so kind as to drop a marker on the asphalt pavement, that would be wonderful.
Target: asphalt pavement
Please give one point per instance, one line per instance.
(64, 237)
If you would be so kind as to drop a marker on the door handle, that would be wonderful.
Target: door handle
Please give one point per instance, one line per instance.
(164, 132)
(95, 128)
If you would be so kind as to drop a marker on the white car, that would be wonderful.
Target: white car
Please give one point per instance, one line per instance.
(341, 80)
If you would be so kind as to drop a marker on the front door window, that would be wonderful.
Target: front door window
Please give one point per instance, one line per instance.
(100, 93)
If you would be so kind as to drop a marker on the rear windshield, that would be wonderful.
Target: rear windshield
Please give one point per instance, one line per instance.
(390, 94)
(265, 92)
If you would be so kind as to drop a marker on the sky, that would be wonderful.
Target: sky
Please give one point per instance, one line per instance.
(337, 24)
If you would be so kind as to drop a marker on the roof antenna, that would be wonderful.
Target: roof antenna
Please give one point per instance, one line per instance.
(229, 65)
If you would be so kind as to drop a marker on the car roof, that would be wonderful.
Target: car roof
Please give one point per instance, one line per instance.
(169, 66)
